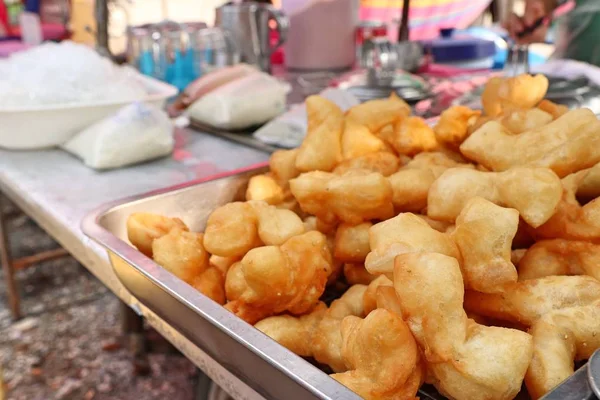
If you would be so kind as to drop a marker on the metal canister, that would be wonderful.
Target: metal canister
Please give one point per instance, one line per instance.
(367, 30)
(370, 29)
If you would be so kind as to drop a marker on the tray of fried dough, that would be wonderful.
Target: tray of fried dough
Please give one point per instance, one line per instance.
(458, 261)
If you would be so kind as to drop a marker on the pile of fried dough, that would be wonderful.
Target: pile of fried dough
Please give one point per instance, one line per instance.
(470, 250)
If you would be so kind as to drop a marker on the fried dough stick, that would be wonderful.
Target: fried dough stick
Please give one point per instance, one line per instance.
(317, 334)
(321, 149)
(382, 357)
(572, 220)
(453, 126)
(353, 198)
(271, 280)
(458, 351)
(144, 228)
(559, 338)
(566, 145)
(181, 252)
(372, 294)
(484, 234)
(534, 192)
(410, 185)
(527, 301)
(405, 233)
(560, 257)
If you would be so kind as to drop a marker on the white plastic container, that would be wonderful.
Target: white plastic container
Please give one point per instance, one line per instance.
(38, 127)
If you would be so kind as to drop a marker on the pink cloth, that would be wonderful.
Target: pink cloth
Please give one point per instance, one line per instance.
(11, 46)
(49, 32)
(427, 17)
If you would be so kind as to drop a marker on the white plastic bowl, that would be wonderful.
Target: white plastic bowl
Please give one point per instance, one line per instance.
(40, 127)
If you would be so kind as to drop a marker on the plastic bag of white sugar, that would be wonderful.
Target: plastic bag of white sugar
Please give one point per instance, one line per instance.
(245, 102)
(136, 133)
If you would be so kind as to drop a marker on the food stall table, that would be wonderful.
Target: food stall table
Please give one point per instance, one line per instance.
(57, 191)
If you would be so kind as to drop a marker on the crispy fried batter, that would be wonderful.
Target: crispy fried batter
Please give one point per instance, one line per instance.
(321, 149)
(271, 279)
(560, 257)
(382, 357)
(453, 126)
(264, 188)
(144, 228)
(466, 360)
(484, 234)
(522, 91)
(566, 145)
(405, 233)
(560, 337)
(352, 198)
(534, 192)
(352, 242)
(525, 302)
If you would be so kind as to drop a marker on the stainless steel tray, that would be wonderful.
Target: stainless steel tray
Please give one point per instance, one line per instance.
(257, 360)
(261, 363)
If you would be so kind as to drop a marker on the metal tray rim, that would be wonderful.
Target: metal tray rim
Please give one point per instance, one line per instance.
(297, 369)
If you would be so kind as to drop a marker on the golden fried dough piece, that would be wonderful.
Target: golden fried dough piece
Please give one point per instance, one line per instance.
(317, 334)
(405, 233)
(211, 283)
(525, 302)
(589, 188)
(352, 198)
(484, 234)
(559, 338)
(516, 256)
(522, 91)
(181, 253)
(519, 121)
(566, 145)
(357, 274)
(321, 149)
(556, 110)
(370, 297)
(440, 226)
(282, 165)
(222, 264)
(383, 162)
(573, 221)
(232, 230)
(357, 140)
(458, 351)
(271, 280)
(327, 341)
(534, 192)
(382, 357)
(410, 185)
(143, 228)
(376, 114)
(560, 257)
(352, 242)
(453, 126)
(412, 135)
(264, 188)
(294, 333)
(276, 226)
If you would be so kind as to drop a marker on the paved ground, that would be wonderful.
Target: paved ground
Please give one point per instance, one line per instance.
(69, 344)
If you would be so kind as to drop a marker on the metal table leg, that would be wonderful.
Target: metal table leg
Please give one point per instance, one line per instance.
(133, 329)
(7, 266)
(10, 266)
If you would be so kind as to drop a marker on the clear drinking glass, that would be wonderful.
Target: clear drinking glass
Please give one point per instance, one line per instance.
(213, 48)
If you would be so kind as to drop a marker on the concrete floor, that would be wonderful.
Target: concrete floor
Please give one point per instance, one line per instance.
(69, 344)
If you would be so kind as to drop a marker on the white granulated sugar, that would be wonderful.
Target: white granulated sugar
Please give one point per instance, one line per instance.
(65, 73)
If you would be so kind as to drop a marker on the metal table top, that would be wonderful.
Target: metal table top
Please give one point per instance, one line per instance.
(57, 191)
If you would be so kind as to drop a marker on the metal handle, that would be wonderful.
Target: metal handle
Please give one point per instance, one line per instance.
(283, 25)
